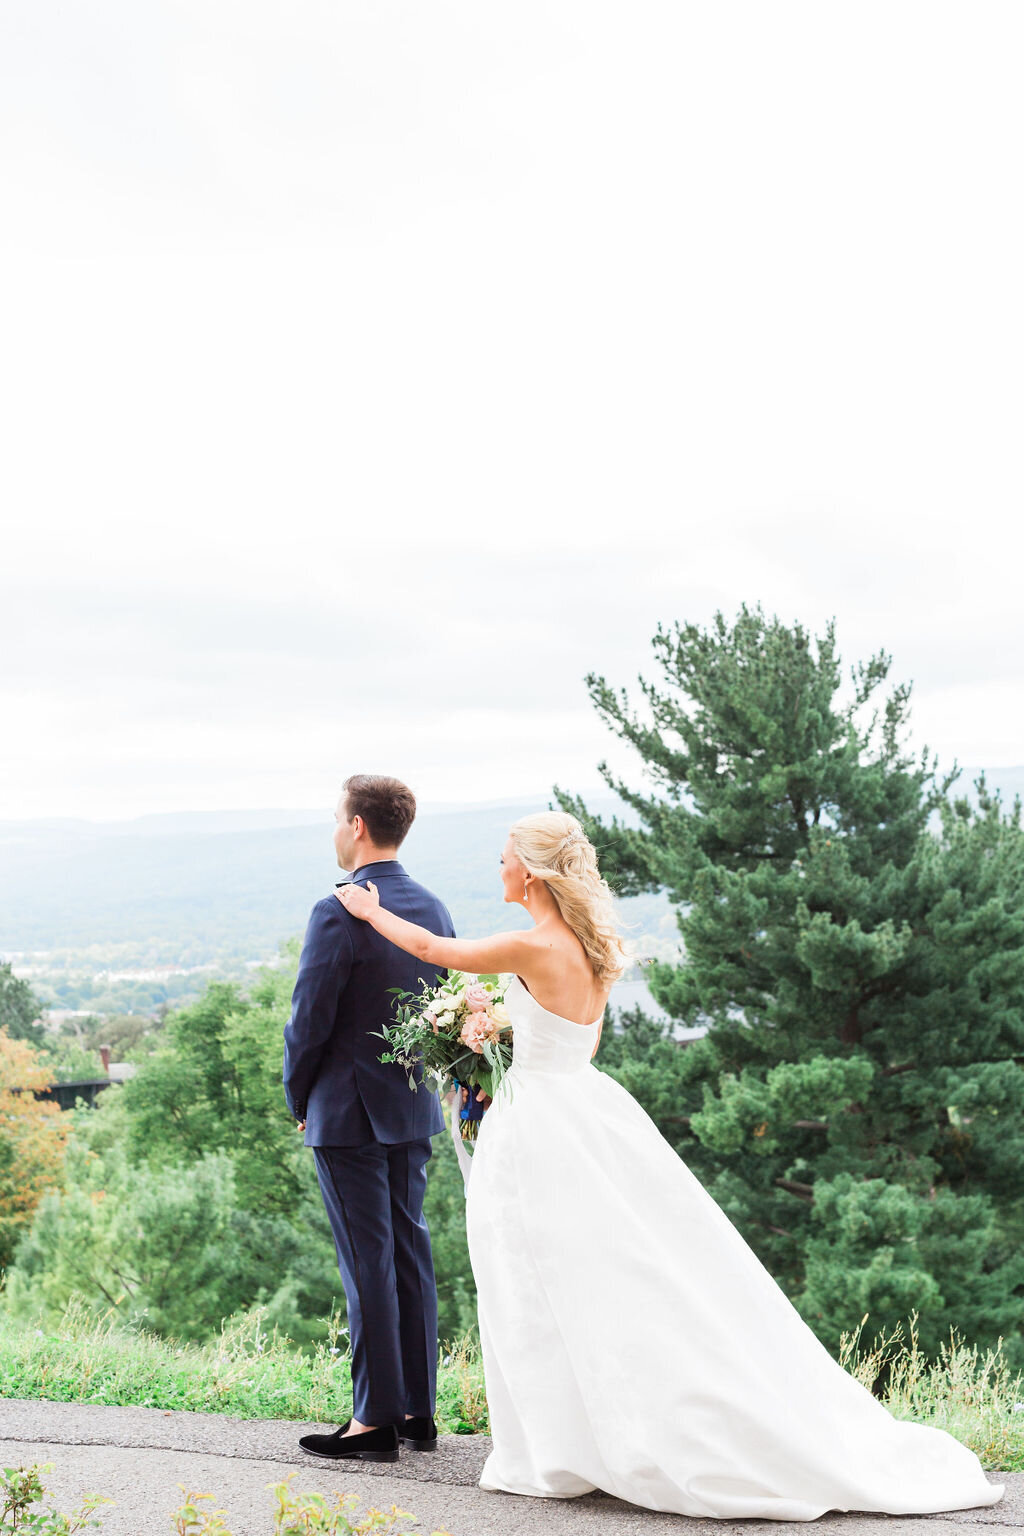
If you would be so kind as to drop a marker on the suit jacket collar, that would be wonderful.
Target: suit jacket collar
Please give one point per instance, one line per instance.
(374, 871)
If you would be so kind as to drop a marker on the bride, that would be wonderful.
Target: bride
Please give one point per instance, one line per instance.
(632, 1341)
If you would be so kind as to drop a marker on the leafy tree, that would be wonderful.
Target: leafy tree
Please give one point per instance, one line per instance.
(857, 1104)
(160, 1246)
(33, 1135)
(215, 1084)
(210, 1097)
(83, 1242)
(66, 1061)
(19, 1007)
(123, 1032)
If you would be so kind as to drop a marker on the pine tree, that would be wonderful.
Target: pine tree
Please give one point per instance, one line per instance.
(857, 1104)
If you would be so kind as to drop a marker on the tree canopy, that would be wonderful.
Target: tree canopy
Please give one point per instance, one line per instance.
(19, 1007)
(857, 1103)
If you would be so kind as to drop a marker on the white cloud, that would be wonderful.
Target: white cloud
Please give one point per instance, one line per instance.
(375, 366)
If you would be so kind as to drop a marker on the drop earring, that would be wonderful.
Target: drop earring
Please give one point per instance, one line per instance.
(526, 893)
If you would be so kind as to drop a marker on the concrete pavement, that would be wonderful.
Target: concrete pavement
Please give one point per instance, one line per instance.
(138, 1456)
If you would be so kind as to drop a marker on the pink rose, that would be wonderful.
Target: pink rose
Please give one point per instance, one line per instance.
(477, 997)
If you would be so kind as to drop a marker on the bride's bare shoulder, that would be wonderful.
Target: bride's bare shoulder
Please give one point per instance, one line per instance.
(551, 950)
(556, 966)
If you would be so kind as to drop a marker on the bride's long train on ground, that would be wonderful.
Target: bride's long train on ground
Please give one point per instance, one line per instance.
(633, 1342)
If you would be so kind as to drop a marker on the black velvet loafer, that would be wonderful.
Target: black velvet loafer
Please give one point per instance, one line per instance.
(419, 1433)
(368, 1445)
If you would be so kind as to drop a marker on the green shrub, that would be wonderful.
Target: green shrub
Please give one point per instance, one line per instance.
(296, 1514)
(21, 1487)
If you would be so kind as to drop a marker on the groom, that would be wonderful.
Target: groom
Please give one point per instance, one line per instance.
(370, 1135)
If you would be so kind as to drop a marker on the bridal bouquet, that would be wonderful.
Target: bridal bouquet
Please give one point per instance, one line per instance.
(461, 1034)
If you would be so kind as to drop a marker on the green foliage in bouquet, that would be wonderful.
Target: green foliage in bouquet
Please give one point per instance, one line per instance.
(456, 1032)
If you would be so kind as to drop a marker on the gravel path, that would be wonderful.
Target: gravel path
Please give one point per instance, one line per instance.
(138, 1456)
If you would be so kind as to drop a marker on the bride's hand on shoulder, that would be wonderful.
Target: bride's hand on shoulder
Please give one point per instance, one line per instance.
(361, 903)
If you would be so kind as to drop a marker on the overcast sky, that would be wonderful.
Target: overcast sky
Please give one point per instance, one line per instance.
(372, 372)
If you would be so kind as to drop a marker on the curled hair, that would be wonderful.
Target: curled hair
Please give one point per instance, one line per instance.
(552, 846)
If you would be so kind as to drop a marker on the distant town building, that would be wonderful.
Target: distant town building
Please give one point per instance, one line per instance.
(66, 1094)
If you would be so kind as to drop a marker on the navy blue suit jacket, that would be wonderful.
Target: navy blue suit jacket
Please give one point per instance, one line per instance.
(332, 1076)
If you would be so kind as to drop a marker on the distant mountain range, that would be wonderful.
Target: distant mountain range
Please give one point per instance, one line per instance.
(204, 883)
(203, 888)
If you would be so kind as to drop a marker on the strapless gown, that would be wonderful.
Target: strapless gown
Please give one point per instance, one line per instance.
(631, 1339)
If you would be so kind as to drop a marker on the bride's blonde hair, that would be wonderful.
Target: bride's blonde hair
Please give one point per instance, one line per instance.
(552, 846)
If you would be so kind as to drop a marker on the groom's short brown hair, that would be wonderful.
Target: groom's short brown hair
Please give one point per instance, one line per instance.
(387, 806)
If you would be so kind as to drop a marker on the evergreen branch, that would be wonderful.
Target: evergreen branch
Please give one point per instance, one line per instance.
(805, 1191)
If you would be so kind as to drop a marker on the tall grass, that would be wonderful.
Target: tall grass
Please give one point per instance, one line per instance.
(251, 1372)
(248, 1371)
(970, 1395)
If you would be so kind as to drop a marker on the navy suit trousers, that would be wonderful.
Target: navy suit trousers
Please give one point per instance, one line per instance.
(374, 1199)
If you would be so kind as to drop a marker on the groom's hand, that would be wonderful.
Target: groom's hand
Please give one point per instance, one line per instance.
(485, 1098)
(302, 1125)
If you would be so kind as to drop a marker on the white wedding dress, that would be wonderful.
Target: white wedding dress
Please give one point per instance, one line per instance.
(633, 1342)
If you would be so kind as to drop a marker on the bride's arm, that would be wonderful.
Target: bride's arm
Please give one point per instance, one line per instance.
(500, 952)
